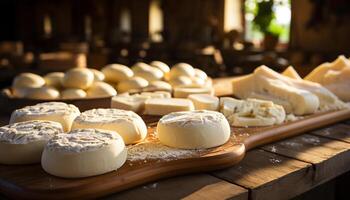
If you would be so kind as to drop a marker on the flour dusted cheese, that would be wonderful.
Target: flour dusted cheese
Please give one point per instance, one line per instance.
(83, 153)
(193, 129)
(23, 142)
(163, 106)
(251, 112)
(126, 123)
(52, 111)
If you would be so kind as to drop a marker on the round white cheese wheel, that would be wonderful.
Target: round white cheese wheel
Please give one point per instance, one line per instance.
(134, 83)
(116, 72)
(150, 74)
(140, 66)
(159, 85)
(98, 75)
(127, 123)
(52, 111)
(101, 89)
(81, 78)
(43, 93)
(54, 79)
(23, 142)
(73, 93)
(200, 74)
(181, 69)
(28, 80)
(193, 129)
(83, 153)
(180, 81)
(160, 65)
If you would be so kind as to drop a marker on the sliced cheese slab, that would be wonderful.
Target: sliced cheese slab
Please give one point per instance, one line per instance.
(157, 94)
(193, 129)
(24, 142)
(126, 123)
(204, 102)
(302, 97)
(184, 92)
(163, 106)
(52, 111)
(291, 73)
(251, 112)
(83, 153)
(134, 103)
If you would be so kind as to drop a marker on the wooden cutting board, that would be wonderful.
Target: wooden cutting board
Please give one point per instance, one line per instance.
(31, 182)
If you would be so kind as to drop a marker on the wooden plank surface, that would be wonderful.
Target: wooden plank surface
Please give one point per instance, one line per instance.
(338, 132)
(198, 186)
(329, 157)
(269, 176)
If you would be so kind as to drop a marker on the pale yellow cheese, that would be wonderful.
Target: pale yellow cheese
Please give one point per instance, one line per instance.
(134, 103)
(163, 106)
(183, 92)
(204, 102)
(291, 73)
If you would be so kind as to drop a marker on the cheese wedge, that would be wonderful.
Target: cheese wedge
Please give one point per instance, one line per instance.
(298, 96)
(204, 102)
(291, 73)
(251, 112)
(163, 106)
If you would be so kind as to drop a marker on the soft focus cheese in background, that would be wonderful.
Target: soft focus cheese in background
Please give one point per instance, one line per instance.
(159, 85)
(160, 65)
(83, 153)
(193, 129)
(140, 66)
(181, 69)
(132, 103)
(54, 79)
(116, 72)
(28, 80)
(183, 92)
(81, 78)
(126, 123)
(204, 102)
(52, 111)
(180, 81)
(134, 83)
(73, 93)
(150, 74)
(23, 142)
(334, 76)
(251, 112)
(296, 96)
(291, 73)
(100, 89)
(98, 75)
(44, 93)
(157, 94)
(163, 106)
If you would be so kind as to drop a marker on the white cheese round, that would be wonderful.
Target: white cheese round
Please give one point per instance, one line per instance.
(23, 142)
(54, 79)
(193, 129)
(28, 80)
(52, 111)
(98, 75)
(42, 93)
(160, 65)
(116, 72)
(182, 69)
(132, 84)
(81, 78)
(100, 89)
(150, 74)
(126, 123)
(83, 153)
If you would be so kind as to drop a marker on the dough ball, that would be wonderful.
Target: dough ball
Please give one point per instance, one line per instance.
(23, 142)
(54, 79)
(43, 93)
(134, 83)
(83, 153)
(126, 123)
(180, 81)
(101, 89)
(181, 69)
(150, 74)
(193, 129)
(73, 93)
(81, 78)
(160, 65)
(200, 74)
(98, 75)
(52, 111)
(116, 72)
(28, 80)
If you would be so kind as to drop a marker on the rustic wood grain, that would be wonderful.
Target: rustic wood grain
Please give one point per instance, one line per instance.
(191, 187)
(339, 132)
(269, 176)
(329, 157)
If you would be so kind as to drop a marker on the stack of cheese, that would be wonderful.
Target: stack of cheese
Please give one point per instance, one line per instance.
(73, 84)
(334, 76)
(69, 143)
(297, 96)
